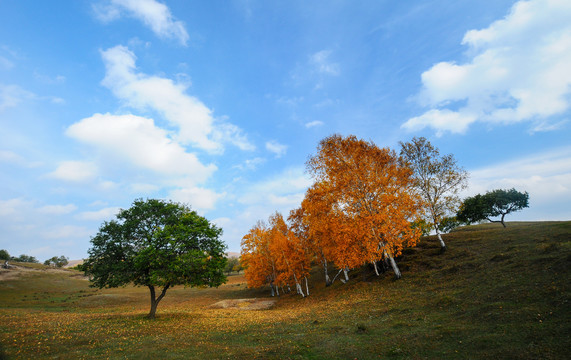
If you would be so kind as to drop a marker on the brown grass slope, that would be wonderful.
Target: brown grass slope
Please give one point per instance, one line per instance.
(496, 293)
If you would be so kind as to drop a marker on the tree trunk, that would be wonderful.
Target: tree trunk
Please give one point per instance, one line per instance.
(442, 244)
(502, 220)
(398, 274)
(306, 287)
(345, 273)
(332, 281)
(327, 279)
(299, 289)
(155, 301)
(376, 269)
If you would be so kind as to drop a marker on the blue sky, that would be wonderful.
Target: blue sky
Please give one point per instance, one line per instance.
(218, 104)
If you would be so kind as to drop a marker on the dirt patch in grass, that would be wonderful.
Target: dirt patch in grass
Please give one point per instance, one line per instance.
(244, 304)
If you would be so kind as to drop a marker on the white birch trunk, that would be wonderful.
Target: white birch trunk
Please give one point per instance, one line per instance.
(376, 269)
(442, 244)
(299, 289)
(337, 276)
(345, 271)
(272, 287)
(327, 279)
(306, 287)
(398, 274)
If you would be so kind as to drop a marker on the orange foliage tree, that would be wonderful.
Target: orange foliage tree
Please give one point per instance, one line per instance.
(293, 261)
(274, 255)
(258, 261)
(361, 207)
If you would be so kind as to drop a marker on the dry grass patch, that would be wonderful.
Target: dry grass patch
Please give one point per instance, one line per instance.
(244, 304)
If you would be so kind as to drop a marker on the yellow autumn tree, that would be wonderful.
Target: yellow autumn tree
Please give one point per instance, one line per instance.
(363, 200)
(292, 259)
(258, 261)
(272, 254)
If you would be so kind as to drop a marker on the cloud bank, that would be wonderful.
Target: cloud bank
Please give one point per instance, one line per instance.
(518, 70)
(196, 125)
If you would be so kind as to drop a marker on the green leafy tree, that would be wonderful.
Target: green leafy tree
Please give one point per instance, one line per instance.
(4, 255)
(57, 261)
(438, 180)
(493, 203)
(157, 244)
(232, 265)
(25, 258)
(448, 224)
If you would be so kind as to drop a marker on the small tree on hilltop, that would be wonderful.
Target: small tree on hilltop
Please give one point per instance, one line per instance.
(493, 203)
(157, 244)
(57, 261)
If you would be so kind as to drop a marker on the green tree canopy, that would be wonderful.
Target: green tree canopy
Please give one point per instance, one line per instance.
(4, 255)
(233, 264)
(25, 258)
(157, 244)
(493, 203)
(57, 261)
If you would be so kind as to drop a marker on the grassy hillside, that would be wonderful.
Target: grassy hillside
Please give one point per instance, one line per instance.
(496, 293)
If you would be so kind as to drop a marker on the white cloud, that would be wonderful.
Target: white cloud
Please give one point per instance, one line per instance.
(322, 64)
(137, 140)
(5, 64)
(442, 120)
(545, 176)
(278, 149)
(153, 14)
(287, 188)
(250, 164)
(99, 215)
(193, 119)
(75, 171)
(7, 156)
(12, 206)
(12, 95)
(67, 231)
(518, 71)
(57, 209)
(313, 124)
(144, 188)
(199, 199)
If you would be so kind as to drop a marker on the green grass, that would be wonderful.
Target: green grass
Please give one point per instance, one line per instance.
(496, 293)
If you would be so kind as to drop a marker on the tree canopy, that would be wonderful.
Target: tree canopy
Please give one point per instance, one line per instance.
(438, 179)
(363, 196)
(494, 203)
(157, 244)
(57, 261)
(4, 255)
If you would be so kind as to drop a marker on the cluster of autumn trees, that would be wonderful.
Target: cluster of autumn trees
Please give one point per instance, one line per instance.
(364, 207)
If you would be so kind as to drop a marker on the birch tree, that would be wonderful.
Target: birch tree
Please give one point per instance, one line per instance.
(438, 180)
(363, 197)
(292, 260)
(257, 259)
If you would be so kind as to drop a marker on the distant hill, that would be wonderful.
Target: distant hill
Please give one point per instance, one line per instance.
(232, 254)
(73, 263)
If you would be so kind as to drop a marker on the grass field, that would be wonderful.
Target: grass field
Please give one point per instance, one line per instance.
(496, 293)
